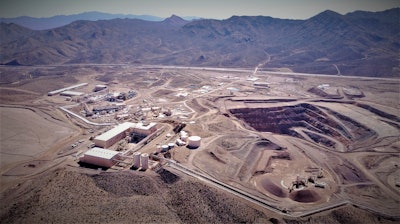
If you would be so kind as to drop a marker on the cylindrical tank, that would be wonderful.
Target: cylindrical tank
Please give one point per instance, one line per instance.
(136, 159)
(158, 149)
(194, 141)
(144, 158)
(184, 135)
(180, 142)
(164, 148)
(171, 145)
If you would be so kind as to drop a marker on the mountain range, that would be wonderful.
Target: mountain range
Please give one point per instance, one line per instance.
(62, 20)
(358, 43)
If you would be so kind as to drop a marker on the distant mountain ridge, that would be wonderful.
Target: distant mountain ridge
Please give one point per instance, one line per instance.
(358, 43)
(62, 20)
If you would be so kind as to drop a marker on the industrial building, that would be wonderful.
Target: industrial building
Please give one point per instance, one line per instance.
(99, 88)
(261, 84)
(106, 109)
(65, 89)
(100, 157)
(71, 93)
(112, 136)
(144, 128)
(119, 132)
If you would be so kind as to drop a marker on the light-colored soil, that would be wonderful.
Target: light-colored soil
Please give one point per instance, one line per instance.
(352, 140)
(24, 135)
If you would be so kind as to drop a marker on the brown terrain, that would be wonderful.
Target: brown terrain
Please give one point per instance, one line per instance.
(359, 43)
(276, 147)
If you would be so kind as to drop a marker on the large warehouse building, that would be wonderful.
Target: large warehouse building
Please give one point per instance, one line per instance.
(100, 157)
(66, 89)
(112, 136)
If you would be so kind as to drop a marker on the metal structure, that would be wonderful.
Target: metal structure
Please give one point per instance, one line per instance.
(144, 160)
(194, 141)
(100, 157)
(136, 160)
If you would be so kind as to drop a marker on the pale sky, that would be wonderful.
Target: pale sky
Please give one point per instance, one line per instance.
(217, 9)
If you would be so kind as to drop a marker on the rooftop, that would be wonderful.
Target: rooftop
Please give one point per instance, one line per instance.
(115, 131)
(143, 126)
(67, 88)
(101, 153)
(72, 93)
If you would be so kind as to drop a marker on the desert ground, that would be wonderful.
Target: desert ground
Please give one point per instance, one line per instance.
(276, 146)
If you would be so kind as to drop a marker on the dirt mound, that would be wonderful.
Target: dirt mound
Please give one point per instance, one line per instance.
(273, 188)
(125, 183)
(322, 93)
(350, 173)
(304, 196)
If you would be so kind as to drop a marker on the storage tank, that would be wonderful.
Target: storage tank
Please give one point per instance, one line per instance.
(136, 159)
(179, 142)
(194, 141)
(184, 135)
(164, 148)
(171, 145)
(144, 158)
(158, 149)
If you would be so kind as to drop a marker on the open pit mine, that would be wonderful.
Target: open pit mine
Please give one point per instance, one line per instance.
(187, 144)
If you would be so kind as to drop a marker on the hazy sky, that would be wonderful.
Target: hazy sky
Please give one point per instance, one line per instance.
(218, 9)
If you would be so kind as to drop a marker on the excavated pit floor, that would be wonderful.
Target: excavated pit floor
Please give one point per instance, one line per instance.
(306, 121)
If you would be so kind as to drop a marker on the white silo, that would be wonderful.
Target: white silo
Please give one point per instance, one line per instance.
(184, 135)
(136, 159)
(179, 142)
(158, 149)
(164, 148)
(144, 158)
(171, 145)
(194, 141)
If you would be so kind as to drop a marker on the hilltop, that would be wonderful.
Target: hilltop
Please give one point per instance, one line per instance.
(358, 43)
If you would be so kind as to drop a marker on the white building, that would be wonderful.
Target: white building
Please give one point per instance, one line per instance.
(99, 87)
(144, 128)
(71, 93)
(65, 89)
(120, 131)
(112, 136)
(100, 157)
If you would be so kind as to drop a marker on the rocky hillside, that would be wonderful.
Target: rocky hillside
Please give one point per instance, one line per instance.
(358, 43)
(131, 197)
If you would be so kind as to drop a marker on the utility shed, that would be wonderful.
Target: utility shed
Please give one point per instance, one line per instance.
(100, 157)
